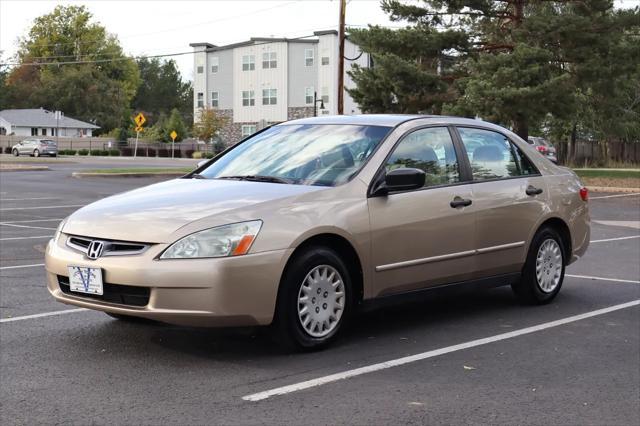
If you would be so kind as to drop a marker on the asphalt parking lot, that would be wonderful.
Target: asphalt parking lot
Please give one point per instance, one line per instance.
(478, 357)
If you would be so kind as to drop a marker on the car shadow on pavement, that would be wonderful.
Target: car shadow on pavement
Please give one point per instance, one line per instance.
(430, 314)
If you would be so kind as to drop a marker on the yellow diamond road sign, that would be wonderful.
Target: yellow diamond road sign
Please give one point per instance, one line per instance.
(140, 120)
(173, 135)
(139, 128)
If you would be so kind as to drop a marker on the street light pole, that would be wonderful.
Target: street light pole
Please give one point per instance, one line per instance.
(315, 103)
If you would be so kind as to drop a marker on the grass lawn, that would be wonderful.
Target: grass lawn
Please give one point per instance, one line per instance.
(141, 170)
(608, 173)
(621, 178)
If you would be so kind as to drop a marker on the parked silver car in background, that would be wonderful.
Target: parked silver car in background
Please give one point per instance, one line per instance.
(544, 147)
(35, 147)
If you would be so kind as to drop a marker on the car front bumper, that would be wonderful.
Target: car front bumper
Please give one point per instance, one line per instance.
(232, 291)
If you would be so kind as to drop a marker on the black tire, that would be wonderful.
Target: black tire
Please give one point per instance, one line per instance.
(528, 290)
(287, 324)
(15, 153)
(36, 153)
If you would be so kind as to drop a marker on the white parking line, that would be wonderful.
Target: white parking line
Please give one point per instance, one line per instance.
(614, 196)
(26, 226)
(430, 354)
(30, 220)
(28, 199)
(44, 207)
(21, 266)
(617, 280)
(615, 239)
(46, 314)
(26, 238)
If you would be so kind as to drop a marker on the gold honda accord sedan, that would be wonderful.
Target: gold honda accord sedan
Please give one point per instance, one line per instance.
(304, 221)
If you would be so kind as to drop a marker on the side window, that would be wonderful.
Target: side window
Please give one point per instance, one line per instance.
(431, 150)
(493, 156)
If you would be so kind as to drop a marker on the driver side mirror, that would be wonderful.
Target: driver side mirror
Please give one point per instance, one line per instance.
(403, 179)
(201, 163)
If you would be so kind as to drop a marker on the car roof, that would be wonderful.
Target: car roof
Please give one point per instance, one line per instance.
(389, 120)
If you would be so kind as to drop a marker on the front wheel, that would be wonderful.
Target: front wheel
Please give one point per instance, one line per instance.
(543, 272)
(314, 300)
(15, 152)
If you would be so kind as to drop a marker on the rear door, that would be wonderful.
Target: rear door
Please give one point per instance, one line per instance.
(418, 238)
(509, 197)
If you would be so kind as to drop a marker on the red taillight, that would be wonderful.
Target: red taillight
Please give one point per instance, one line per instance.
(541, 148)
(584, 194)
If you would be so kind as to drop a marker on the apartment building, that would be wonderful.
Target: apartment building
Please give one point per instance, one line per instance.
(269, 80)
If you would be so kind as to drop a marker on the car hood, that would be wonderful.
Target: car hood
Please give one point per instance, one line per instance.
(152, 213)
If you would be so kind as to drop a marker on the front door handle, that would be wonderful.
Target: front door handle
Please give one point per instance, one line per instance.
(460, 202)
(532, 190)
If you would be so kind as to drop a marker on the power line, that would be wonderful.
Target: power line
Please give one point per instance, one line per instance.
(228, 18)
(126, 58)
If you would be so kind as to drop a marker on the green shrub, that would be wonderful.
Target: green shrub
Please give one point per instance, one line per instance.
(197, 155)
(83, 152)
(209, 155)
(71, 151)
(114, 152)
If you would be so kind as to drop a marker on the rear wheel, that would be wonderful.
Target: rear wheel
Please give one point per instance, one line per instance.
(543, 273)
(15, 152)
(314, 300)
(36, 153)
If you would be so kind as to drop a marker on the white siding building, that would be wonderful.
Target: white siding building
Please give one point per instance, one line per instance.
(40, 122)
(269, 80)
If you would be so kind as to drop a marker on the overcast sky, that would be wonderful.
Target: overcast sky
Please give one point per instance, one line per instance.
(160, 27)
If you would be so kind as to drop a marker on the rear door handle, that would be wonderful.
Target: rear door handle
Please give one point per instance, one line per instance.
(532, 190)
(460, 202)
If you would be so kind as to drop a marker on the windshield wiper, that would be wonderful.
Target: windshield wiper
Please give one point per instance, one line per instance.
(259, 178)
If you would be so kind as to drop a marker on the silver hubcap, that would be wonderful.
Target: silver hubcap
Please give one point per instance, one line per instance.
(321, 301)
(549, 265)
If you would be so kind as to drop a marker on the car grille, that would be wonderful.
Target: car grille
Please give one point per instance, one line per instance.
(113, 293)
(111, 248)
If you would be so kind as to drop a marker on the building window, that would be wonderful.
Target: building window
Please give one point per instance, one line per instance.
(308, 95)
(215, 63)
(325, 60)
(200, 69)
(34, 131)
(248, 98)
(44, 132)
(325, 94)
(248, 63)
(200, 100)
(308, 57)
(269, 96)
(248, 130)
(214, 99)
(269, 60)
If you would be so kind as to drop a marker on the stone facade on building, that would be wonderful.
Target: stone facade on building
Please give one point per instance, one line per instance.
(294, 113)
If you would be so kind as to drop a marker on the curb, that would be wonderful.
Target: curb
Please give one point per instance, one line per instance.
(24, 169)
(80, 175)
(612, 189)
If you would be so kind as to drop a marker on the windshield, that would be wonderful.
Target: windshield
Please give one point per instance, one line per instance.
(323, 154)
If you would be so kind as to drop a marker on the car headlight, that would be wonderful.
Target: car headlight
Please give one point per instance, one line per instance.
(56, 236)
(222, 241)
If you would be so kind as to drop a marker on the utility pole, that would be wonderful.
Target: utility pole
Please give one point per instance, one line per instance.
(341, 39)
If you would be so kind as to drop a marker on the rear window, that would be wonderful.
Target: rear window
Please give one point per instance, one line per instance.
(48, 142)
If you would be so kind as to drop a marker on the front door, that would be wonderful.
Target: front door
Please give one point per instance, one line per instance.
(419, 238)
(509, 196)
